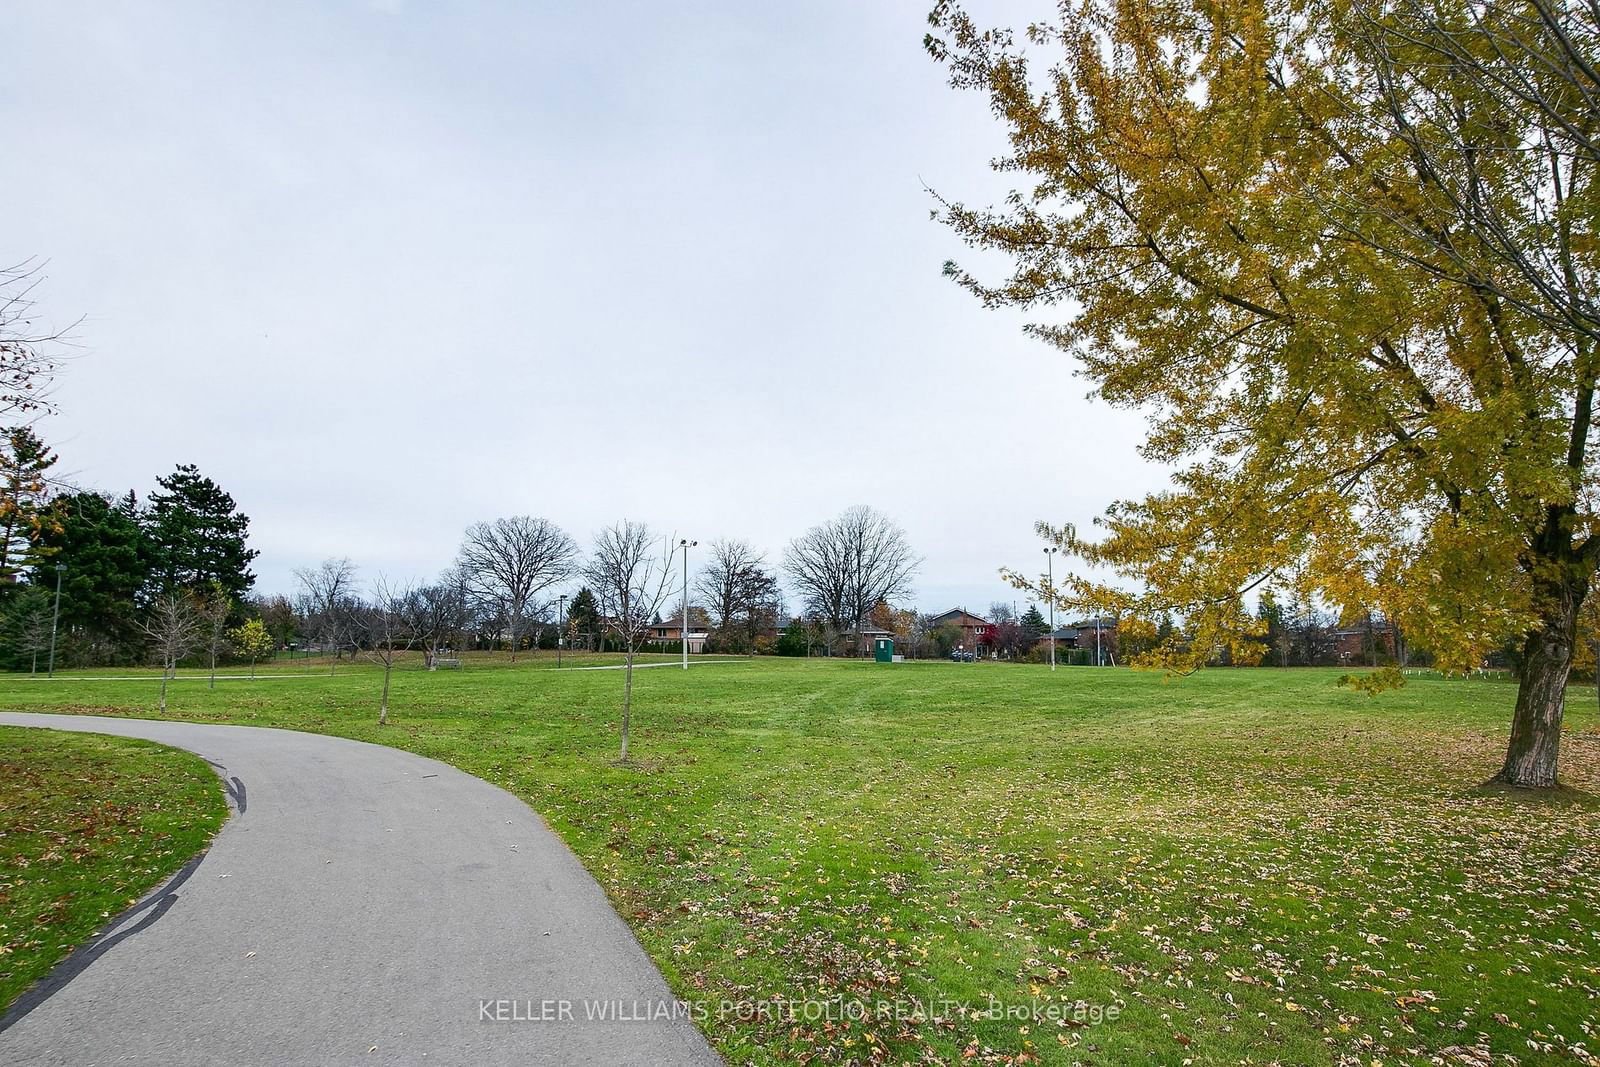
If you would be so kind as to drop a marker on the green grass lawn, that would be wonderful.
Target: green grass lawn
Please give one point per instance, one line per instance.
(1242, 866)
(87, 824)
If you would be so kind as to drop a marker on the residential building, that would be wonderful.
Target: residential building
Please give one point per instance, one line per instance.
(861, 642)
(974, 629)
(672, 629)
(1357, 644)
(1089, 634)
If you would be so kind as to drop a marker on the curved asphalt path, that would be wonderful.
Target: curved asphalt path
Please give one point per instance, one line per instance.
(359, 908)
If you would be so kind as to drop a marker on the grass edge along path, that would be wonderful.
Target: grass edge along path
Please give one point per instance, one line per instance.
(89, 823)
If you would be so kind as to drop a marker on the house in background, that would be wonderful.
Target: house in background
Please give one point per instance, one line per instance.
(974, 629)
(1366, 641)
(672, 629)
(861, 641)
(1081, 635)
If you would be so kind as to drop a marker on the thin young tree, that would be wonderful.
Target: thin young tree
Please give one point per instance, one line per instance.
(511, 561)
(630, 575)
(214, 608)
(279, 616)
(28, 622)
(252, 640)
(324, 595)
(386, 632)
(174, 630)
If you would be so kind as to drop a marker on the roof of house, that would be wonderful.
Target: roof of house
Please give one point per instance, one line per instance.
(962, 612)
(1379, 626)
(697, 621)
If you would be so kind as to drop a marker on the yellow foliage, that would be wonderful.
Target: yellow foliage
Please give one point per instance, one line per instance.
(1236, 237)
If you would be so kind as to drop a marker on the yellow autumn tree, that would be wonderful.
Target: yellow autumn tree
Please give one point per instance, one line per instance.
(1344, 256)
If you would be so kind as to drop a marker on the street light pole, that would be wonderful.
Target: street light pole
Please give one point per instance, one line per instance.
(55, 619)
(561, 625)
(1050, 589)
(684, 620)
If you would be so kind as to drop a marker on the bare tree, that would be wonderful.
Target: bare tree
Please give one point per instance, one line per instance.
(832, 636)
(28, 362)
(843, 568)
(174, 629)
(487, 617)
(387, 633)
(279, 616)
(511, 561)
(629, 581)
(911, 628)
(432, 615)
(324, 594)
(213, 610)
(29, 626)
(740, 595)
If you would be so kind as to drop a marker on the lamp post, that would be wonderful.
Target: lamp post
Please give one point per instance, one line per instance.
(561, 625)
(1099, 661)
(684, 621)
(1050, 589)
(55, 619)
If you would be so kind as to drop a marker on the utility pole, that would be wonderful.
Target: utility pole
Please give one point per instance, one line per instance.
(561, 625)
(1050, 588)
(684, 621)
(55, 620)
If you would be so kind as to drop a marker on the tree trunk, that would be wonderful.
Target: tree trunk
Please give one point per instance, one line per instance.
(213, 667)
(383, 706)
(163, 689)
(1541, 691)
(627, 701)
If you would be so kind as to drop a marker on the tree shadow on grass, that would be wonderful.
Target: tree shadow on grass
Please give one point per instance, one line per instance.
(1561, 796)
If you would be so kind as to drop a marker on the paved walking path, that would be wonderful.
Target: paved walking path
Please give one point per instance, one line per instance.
(656, 663)
(148, 677)
(363, 906)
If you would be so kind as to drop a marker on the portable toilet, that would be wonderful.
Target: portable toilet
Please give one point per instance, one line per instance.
(884, 650)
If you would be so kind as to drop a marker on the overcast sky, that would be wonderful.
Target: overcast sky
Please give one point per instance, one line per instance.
(383, 269)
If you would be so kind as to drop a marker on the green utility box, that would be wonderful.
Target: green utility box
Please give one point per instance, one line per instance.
(883, 652)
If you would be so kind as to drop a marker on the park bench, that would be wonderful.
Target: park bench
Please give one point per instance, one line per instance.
(442, 664)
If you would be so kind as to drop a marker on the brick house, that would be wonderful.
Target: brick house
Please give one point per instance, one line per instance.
(974, 629)
(1081, 634)
(1351, 644)
(672, 629)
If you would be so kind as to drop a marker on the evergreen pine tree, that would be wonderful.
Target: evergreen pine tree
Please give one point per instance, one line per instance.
(1033, 624)
(198, 536)
(583, 618)
(106, 565)
(25, 461)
